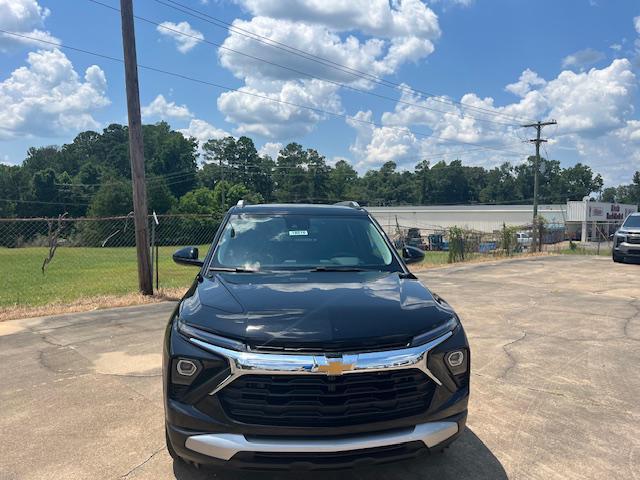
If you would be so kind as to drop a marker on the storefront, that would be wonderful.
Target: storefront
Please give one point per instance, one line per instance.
(595, 221)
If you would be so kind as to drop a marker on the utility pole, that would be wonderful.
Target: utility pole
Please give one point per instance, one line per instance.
(538, 126)
(136, 149)
(222, 200)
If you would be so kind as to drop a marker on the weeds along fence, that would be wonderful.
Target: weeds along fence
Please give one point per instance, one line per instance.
(78, 257)
(458, 244)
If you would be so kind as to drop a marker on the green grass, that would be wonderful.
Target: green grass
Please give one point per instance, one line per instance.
(76, 273)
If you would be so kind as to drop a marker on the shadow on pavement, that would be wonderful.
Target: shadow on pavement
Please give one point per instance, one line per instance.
(467, 457)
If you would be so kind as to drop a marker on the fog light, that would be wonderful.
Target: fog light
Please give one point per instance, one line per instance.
(455, 359)
(186, 368)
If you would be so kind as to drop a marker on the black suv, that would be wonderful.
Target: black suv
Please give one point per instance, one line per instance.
(306, 342)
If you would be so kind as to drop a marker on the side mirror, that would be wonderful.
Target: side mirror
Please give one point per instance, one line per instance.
(187, 256)
(412, 254)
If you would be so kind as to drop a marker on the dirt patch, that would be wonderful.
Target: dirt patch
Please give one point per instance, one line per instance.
(122, 363)
(88, 304)
(10, 328)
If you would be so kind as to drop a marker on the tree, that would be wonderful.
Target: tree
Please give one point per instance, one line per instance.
(112, 199)
(199, 201)
(290, 175)
(342, 181)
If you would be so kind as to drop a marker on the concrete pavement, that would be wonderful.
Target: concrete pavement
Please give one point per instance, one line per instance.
(555, 384)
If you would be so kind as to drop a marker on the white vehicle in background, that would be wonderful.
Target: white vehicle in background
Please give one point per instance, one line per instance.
(626, 241)
(524, 239)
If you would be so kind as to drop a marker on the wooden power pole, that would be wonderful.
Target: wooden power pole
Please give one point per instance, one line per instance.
(136, 149)
(536, 169)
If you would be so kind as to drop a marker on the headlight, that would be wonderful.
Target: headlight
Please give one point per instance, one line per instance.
(440, 330)
(190, 331)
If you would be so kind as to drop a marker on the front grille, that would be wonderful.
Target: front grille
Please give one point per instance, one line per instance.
(635, 239)
(323, 401)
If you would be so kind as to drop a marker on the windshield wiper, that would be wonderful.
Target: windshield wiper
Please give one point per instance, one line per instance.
(232, 269)
(337, 269)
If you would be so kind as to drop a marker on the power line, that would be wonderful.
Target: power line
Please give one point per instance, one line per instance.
(318, 59)
(300, 72)
(264, 97)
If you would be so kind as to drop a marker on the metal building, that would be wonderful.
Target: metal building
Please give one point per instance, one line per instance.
(483, 218)
(595, 221)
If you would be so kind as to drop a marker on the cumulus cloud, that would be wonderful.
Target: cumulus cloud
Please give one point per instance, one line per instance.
(376, 37)
(271, 149)
(527, 80)
(271, 110)
(203, 131)
(49, 97)
(582, 58)
(25, 17)
(372, 17)
(159, 108)
(593, 109)
(182, 33)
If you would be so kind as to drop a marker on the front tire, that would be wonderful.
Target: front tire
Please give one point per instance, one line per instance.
(170, 449)
(617, 258)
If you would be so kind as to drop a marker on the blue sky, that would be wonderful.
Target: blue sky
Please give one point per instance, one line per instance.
(581, 60)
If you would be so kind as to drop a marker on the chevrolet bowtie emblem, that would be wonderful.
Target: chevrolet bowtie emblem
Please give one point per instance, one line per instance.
(334, 367)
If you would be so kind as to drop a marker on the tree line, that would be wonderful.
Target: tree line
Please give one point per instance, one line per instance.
(91, 177)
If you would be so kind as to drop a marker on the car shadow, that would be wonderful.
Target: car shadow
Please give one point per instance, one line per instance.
(468, 457)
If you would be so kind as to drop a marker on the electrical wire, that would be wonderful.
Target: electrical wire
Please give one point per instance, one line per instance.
(300, 72)
(264, 97)
(324, 61)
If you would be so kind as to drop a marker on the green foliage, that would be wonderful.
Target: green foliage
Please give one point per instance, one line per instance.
(508, 239)
(71, 178)
(456, 244)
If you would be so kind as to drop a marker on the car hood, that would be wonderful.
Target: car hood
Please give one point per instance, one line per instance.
(324, 310)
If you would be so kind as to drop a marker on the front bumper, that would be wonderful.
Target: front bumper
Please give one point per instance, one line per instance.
(285, 453)
(201, 430)
(627, 249)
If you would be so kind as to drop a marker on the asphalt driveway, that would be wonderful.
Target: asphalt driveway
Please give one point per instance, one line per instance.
(555, 383)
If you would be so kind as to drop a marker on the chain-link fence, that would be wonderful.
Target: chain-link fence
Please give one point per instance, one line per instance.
(45, 260)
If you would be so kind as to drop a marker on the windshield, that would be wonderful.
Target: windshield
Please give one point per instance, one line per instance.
(632, 221)
(293, 242)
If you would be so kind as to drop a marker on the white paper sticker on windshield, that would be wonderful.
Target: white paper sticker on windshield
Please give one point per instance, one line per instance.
(297, 233)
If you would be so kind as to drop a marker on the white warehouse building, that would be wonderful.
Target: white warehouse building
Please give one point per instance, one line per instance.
(582, 219)
(484, 218)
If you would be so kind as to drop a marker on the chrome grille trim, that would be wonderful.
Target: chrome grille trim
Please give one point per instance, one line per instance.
(245, 363)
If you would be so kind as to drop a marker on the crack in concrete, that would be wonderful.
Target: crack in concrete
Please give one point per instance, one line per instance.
(140, 465)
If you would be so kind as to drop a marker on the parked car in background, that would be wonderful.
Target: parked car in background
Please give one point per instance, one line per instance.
(524, 239)
(626, 240)
(305, 341)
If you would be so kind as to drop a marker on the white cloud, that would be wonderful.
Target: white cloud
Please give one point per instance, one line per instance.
(203, 131)
(582, 58)
(48, 97)
(593, 102)
(272, 149)
(593, 109)
(185, 37)
(372, 36)
(372, 17)
(528, 79)
(25, 17)
(159, 108)
(636, 24)
(371, 56)
(616, 47)
(377, 145)
(275, 114)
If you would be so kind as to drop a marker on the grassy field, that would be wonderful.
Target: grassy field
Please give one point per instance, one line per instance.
(77, 273)
(81, 278)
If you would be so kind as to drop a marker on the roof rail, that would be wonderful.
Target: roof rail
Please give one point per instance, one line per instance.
(241, 203)
(349, 203)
